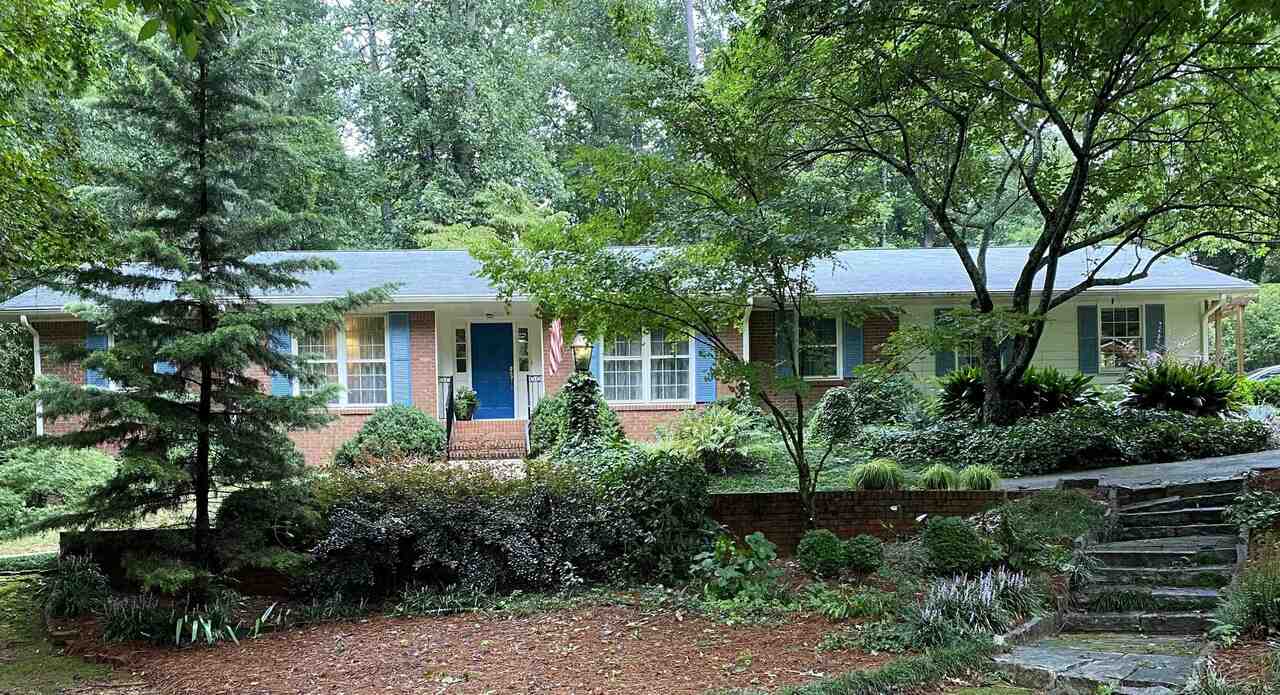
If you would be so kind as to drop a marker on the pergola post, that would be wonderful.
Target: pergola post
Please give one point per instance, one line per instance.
(1217, 337)
(1240, 339)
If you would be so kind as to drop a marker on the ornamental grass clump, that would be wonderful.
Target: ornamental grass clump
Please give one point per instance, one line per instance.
(878, 474)
(939, 476)
(979, 477)
(959, 607)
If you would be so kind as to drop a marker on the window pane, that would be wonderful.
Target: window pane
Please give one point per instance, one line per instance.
(670, 378)
(623, 346)
(459, 350)
(817, 331)
(329, 372)
(366, 338)
(663, 344)
(623, 380)
(818, 361)
(319, 346)
(366, 383)
(818, 349)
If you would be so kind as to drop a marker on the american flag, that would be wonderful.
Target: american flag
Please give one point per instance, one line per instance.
(556, 338)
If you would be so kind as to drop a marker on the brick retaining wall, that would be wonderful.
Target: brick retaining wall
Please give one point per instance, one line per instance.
(888, 515)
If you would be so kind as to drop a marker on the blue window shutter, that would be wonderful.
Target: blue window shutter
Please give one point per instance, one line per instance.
(401, 383)
(1154, 327)
(281, 385)
(704, 362)
(1087, 330)
(944, 362)
(782, 334)
(95, 342)
(164, 367)
(853, 347)
(597, 355)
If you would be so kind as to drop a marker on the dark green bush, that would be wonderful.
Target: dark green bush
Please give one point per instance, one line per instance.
(168, 576)
(866, 553)
(954, 546)
(722, 438)
(549, 423)
(76, 587)
(604, 513)
(269, 527)
(1094, 436)
(1042, 391)
(17, 419)
(38, 484)
(871, 395)
(393, 434)
(1266, 392)
(1200, 389)
(820, 552)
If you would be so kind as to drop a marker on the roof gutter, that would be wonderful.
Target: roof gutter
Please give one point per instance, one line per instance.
(35, 353)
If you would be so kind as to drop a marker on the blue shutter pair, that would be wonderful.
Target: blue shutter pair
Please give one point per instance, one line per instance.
(704, 363)
(1154, 334)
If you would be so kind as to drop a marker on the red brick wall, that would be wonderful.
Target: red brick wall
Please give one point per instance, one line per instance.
(886, 515)
(61, 333)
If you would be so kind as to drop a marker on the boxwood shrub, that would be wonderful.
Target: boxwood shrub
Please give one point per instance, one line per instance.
(549, 423)
(391, 435)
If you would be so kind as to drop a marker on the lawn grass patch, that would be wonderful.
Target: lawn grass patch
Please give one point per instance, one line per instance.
(28, 662)
(36, 562)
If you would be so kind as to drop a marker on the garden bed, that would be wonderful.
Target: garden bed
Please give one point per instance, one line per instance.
(595, 649)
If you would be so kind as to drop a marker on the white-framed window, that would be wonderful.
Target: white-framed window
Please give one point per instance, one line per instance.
(654, 365)
(522, 349)
(1119, 336)
(353, 356)
(459, 351)
(819, 351)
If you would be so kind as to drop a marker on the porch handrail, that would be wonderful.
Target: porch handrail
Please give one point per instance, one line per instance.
(446, 395)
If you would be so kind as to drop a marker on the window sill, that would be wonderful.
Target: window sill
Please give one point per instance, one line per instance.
(356, 409)
(632, 406)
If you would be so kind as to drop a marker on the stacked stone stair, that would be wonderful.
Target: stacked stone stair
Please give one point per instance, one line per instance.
(1163, 564)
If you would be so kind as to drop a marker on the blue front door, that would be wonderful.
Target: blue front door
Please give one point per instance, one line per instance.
(491, 370)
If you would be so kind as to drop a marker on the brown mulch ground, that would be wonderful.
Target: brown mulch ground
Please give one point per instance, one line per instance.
(606, 649)
(1246, 662)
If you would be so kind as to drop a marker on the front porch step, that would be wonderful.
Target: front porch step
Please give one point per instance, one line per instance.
(1205, 515)
(1110, 598)
(1206, 576)
(1169, 504)
(1134, 533)
(1150, 623)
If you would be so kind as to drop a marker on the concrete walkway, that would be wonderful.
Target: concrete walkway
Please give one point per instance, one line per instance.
(1194, 470)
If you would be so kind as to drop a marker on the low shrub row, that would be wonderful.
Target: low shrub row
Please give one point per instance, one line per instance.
(1091, 436)
(822, 553)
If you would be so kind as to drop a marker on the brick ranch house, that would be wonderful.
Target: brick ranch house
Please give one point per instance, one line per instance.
(444, 326)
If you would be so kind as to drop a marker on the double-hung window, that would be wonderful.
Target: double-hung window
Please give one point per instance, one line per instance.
(353, 356)
(654, 365)
(819, 348)
(1119, 336)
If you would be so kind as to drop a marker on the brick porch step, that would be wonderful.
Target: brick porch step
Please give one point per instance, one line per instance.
(475, 440)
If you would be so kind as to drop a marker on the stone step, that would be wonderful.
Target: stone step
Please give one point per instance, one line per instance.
(1169, 504)
(1128, 496)
(1165, 558)
(1058, 669)
(1151, 623)
(1129, 533)
(1111, 598)
(1206, 515)
(1206, 576)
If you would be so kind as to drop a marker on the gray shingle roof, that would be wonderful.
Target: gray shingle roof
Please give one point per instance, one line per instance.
(453, 275)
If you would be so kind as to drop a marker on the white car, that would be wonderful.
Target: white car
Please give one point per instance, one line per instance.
(1264, 373)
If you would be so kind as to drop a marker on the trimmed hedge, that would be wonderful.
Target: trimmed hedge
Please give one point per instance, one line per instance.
(1095, 436)
(391, 435)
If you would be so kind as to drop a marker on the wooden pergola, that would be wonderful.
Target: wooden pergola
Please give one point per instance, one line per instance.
(1228, 308)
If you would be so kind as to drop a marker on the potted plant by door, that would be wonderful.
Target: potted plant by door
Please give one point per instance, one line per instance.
(465, 403)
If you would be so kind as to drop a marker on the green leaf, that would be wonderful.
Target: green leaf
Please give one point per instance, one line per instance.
(190, 45)
(150, 28)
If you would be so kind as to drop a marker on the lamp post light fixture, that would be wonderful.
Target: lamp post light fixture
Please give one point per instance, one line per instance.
(581, 353)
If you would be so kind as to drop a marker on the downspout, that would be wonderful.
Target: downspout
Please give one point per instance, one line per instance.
(746, 330)
(35, 352)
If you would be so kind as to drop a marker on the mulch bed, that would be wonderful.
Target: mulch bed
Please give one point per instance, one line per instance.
(1246, 662)
(604, 649)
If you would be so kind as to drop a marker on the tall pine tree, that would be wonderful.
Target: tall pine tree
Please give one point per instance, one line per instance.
(186, 319)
